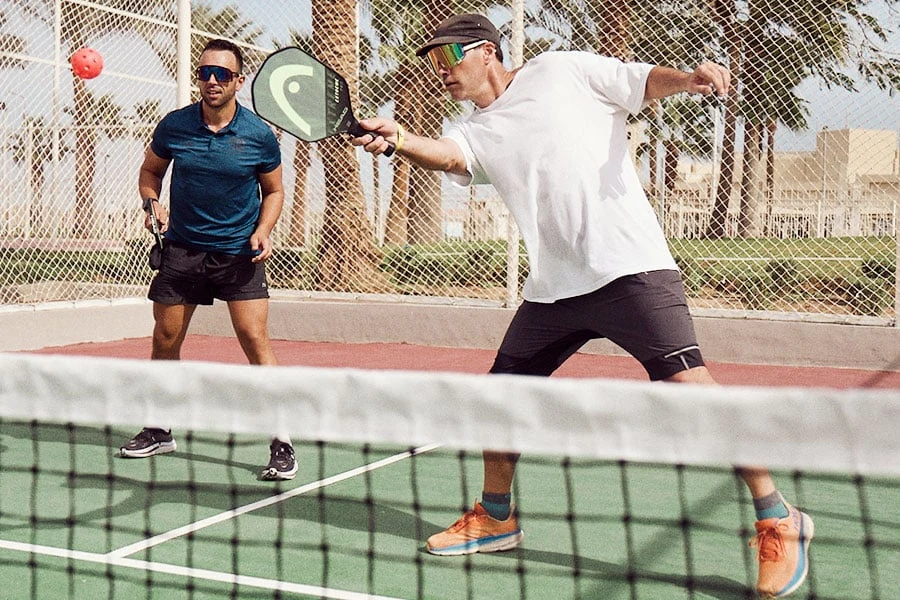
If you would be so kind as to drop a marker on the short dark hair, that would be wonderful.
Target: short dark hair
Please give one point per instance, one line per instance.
(228, 46)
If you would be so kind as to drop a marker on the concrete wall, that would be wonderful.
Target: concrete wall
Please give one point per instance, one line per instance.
(746, 340)
(28, 327)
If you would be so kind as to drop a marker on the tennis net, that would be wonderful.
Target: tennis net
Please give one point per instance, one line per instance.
(624, 490)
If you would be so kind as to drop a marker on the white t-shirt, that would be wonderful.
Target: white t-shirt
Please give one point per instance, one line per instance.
(554, 146)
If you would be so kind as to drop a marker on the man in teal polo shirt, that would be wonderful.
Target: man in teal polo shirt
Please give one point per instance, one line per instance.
(225, 195)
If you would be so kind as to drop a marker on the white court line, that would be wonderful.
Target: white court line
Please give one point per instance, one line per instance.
(118, 557)
(235, 512)
(217, 576)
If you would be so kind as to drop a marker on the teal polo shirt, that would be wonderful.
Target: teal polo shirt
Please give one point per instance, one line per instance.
(214, 195)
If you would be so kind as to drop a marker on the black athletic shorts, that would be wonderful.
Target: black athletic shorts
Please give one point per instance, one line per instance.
(192, 276)
(645, 314)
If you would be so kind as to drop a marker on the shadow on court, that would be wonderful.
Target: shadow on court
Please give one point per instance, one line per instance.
(112, 438)
(158, 485)
(116, 499)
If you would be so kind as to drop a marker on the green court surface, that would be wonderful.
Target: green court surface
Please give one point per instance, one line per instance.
(77, 521)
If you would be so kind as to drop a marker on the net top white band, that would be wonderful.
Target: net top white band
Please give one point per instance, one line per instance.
(797, 428)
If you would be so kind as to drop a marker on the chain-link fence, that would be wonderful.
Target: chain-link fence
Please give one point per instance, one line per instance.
(783, 198)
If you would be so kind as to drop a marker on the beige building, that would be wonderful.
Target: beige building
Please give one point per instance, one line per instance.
(848, 186)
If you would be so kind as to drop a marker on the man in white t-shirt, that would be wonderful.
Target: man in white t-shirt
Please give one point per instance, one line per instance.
(550, 137)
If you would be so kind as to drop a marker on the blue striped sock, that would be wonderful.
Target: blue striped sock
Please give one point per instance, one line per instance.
(496, 505)
(771, 506)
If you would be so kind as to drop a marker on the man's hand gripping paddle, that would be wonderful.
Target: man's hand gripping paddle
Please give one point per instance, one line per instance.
(155, 258)
(299, 94)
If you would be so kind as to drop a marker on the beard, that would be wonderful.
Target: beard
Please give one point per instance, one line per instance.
(216, 97)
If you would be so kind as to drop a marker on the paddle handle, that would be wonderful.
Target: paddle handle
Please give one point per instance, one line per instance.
(356, 130)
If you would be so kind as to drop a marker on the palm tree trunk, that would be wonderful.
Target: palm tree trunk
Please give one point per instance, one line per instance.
(425, 209)
(748, 221)
(395, 230)
(723, 11)
(615, 17)
(347, 257)
(769, 196)
(396, 224)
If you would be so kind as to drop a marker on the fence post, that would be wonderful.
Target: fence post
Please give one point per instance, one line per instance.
(183, 49)
(516, 45)
(56, 104)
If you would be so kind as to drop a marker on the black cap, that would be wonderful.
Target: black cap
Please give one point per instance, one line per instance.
(462, 29)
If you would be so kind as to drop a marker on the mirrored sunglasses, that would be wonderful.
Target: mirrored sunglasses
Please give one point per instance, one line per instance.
(449, 55)
(222, 74)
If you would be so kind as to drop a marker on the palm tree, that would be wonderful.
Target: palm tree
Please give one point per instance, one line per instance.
(80, 24)
(415, 211)
(724, 14)
(773, 46)
(347, 257)
(301, 161)
(671, 35)
(206, 23)
(605, 26)
(146, 115)
(13, 44)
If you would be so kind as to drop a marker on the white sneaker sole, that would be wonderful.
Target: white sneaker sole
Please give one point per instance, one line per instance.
(276, 475)
(160, 448)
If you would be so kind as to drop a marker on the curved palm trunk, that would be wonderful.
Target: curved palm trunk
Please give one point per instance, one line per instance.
(35, 156)
(347, 257)
(653, 137)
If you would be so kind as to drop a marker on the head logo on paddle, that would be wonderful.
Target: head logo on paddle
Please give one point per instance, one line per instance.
(299, 94)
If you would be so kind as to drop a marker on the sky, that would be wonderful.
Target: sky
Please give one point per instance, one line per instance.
(835, 109)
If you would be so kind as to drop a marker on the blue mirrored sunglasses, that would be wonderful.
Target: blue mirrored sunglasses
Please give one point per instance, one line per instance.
(222, 74)
(449, 55)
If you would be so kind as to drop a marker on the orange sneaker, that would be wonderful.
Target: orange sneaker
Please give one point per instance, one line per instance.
(476, 531)
(782, 553)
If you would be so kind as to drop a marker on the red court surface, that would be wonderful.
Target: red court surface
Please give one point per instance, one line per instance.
(466, 360)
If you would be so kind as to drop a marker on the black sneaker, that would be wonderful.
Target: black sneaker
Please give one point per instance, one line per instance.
(282, 464)
(148, 442)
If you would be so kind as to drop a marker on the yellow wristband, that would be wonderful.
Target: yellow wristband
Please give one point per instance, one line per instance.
(400, 134)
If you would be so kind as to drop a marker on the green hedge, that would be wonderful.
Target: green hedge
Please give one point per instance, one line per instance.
(860, 274)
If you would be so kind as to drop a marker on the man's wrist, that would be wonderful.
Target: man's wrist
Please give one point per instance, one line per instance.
(401, 138)
(148, 201)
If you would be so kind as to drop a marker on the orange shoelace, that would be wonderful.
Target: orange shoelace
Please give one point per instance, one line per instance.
(463, 521)
(769, 543)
